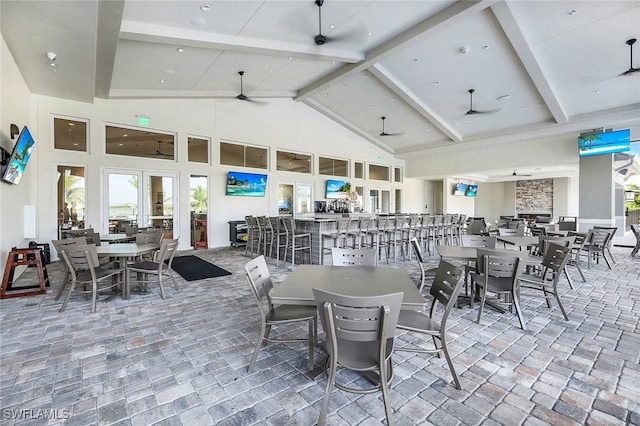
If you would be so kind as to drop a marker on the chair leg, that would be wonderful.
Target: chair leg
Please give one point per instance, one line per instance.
(515, 300)
(66, 299)
(331, 377)
(94, 296)
(482, 299)
(555, 293)
(161, 286)
(258, 346)
(445, 350)
(311, 342)
(384, 385)
(566, 274)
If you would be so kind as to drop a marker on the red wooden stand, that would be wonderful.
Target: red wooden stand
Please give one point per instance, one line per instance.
(200, 234)
(24, 257)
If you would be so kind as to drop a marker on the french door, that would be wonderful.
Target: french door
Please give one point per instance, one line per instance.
(140, 198)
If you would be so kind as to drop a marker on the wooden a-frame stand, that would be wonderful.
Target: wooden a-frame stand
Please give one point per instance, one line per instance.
(24, 257)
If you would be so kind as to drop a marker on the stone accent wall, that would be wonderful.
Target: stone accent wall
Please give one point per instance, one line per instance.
(534, 196)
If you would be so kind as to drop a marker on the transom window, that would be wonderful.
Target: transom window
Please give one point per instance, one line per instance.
(233, 154)
(333, 166)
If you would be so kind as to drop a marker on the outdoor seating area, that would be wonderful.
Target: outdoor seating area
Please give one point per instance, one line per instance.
(183, 359)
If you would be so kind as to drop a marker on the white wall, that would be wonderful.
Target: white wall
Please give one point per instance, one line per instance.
(284, 124)
(14, 108)
(457, 203)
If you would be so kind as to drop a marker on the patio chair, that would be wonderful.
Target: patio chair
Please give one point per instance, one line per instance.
(444, 290)
(555, 260)
(353, 257)
(87, 275)
(498, 272)
(157, 269)
(276, 315)
(360, 337)
(636, 232)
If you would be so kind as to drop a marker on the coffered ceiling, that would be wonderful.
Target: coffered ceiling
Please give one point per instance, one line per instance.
(537, 68)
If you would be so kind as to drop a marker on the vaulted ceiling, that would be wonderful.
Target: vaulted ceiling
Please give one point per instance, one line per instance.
(536, 67)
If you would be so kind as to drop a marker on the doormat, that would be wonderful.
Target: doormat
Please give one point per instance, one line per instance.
(192, 268)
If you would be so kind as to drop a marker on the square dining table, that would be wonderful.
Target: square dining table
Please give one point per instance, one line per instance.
(123, 252)
(297, 288)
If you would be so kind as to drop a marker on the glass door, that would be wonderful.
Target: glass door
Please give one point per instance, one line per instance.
(138, 198)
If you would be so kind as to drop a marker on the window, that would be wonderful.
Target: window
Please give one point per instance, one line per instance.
(397, 174)
(378, 172)
(70, 135)
(359, 170)
(232, 154)
(140, 143)
(71, 196)
(293, 162)
(198, 150)
(333, 166)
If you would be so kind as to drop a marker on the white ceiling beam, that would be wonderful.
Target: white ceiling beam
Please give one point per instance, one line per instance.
(512, 30)
(410, 98)
(459, 10)
(108, 27)
(347, 124)
(152, 33)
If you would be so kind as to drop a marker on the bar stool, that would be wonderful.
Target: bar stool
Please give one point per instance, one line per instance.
(253, 235)
(279, 239)
(266, 234)
(296, 241)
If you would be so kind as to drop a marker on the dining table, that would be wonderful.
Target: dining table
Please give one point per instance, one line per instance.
(117, 238)
(123, 252)
(518, 241)
(297, 288)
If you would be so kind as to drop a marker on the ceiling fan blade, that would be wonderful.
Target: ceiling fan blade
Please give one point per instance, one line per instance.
(383, 133)
(242, 96)
(472, 111)
(630, 71)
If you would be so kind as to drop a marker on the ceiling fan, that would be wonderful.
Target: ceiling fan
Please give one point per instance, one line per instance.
(383, 133)
(473, 111)
(320, 39)
(242, 96)
(514, 174)
(631, 69)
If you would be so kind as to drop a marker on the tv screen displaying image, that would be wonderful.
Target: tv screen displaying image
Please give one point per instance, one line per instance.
(604, 143)
(246, 184)
(338, 189)
(471, 190)
(19, 157)
(460, 189)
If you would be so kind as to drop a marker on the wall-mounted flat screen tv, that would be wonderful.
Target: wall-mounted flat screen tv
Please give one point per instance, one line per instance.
(604, 143)
(471, 190)
(246, 184)
(19, 157)
(338, 189)
(460, 189)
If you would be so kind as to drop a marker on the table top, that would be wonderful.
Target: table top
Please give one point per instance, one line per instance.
(127, 249)
(112, 238)
(470, 253)
(297, 288)
(519, 241)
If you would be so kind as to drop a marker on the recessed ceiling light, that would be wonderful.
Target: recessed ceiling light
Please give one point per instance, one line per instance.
(290, 58)
(71, 124)
(170, 71)
(572, 12)
(596, 92)
(436, 83)
(271, 71)
(180, 49)
(524, 107)
(162, 81)
(372, 106)
(416, 60)
(370, 33)
(464, 49)
(326, 94)
(121, 144)
(332, 26)
(485, 47)
(344, 85)
(75, 144)
(205, 8)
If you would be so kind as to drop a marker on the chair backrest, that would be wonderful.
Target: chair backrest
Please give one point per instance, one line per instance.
(477, 226)
(498, 264)
(513, 232)
(415, 246)
(81, 257)
(545, 240)
(60, 245)
(598, 237)
(636, 231)
(349, 319)
(555, 259)
(342, 224)
(568, 223)
(611, 229)
(260, 282)
(445, 289)
(149, 237)
(353, 257)
(538, 230)
(479, 241)
(167, 251)
(93, 237)
(130, 230)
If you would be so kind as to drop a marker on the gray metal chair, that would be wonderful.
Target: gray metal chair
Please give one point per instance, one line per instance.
(86, 272)
(595, 246)
(497, 272)
(636, 232)
(296, 241)
(444, 290)
(353, 257)
(159, 267)
(555, 260)
(417, 251)
(607, 248)
(360, 337)
(261, 285)
(60, 245)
